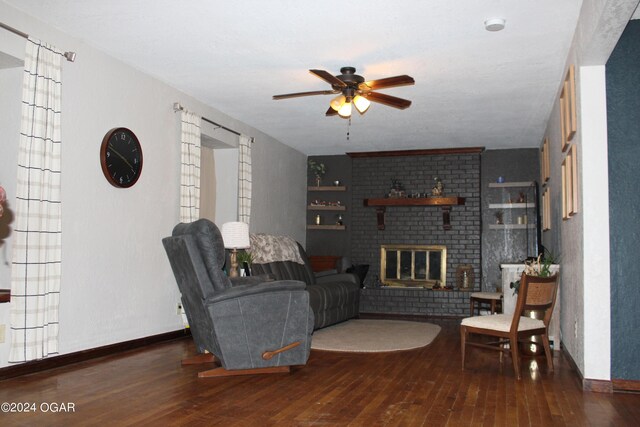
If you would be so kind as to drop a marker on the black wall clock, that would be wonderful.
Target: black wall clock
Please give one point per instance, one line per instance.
(121, 157)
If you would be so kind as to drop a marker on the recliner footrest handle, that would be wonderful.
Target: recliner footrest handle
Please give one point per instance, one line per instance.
(268, 355)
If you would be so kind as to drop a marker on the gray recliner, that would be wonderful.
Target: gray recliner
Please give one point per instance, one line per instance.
(249, 328)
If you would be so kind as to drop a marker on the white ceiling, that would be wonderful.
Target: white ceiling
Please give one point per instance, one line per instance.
(473, 87)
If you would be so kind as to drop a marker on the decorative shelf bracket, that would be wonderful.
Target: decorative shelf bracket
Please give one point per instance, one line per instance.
(446, 217)
(380, 210)
(444, 202)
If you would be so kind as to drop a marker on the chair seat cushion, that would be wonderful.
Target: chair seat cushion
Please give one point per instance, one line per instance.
(486, 295)
(501, 322)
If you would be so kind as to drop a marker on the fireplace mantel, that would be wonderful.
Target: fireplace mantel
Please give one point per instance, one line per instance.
(444, 202)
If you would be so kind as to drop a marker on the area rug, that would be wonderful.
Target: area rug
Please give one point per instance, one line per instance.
(371, 335)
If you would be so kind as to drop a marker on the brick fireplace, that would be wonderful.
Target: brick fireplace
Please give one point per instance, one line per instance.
(372, 177)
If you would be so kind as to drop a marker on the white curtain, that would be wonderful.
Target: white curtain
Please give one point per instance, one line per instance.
(190, 169)
(36, 261)
(244, 179)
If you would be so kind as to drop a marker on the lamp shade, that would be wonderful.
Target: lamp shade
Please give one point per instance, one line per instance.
(338, 102)
(235, 235)
(345, 110)
(361, 103)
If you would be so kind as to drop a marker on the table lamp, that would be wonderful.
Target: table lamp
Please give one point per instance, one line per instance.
(235, 236)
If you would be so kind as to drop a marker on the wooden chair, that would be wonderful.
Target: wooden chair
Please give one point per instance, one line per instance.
(493, 299)
(535, 293)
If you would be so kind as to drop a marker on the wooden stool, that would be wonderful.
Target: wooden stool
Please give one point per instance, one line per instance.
(493, 298)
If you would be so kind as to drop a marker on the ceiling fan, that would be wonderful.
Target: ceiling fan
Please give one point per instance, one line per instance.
(353, 89)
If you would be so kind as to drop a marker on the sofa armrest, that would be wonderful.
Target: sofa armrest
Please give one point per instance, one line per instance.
(325, 273)
(262, 288)
(340, 277)
(251, 280)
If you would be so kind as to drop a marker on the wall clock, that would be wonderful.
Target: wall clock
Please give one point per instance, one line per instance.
(121, 157)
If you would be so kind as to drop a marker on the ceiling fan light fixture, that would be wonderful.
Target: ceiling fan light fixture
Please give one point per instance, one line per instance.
(338, 102)
(345, 110)
(361, 103)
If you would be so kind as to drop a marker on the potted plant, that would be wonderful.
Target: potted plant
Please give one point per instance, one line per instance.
(244, 261)
(318, 169)
(540, 267)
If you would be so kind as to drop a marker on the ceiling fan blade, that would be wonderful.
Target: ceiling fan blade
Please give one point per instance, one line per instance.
(329, 78)
(389, 100)
(299, 94)
(403, 80)
(331, 112)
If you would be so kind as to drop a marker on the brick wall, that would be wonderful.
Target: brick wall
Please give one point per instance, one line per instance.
(371, 178)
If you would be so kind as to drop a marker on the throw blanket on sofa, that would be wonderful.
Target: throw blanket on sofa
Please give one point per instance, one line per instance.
(266, 248)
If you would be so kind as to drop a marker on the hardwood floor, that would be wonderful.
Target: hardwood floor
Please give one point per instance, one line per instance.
(422, 387)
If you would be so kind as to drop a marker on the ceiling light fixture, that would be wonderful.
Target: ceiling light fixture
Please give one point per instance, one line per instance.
(361, 103)
(494, 24)
(345, 110)
(338, 102)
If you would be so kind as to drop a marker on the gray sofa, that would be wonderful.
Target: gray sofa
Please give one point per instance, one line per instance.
(333, 298)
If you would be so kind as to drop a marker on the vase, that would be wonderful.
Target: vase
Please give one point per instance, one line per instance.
(318, 181)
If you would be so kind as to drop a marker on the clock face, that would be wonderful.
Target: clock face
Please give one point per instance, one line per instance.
(121, 157)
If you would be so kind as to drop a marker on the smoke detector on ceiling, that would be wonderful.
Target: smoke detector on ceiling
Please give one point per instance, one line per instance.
(494, 24)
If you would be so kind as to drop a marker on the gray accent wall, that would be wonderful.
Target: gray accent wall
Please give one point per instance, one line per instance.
(331, 242)
(623, 111)
(506, 246)
(420, 225)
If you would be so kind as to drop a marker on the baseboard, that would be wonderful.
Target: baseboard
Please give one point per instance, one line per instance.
(626, 386)
(587, 384)
(597, 386)
(92, 353)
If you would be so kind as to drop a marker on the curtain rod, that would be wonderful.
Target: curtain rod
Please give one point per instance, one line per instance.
(71, 56)
(178, 107)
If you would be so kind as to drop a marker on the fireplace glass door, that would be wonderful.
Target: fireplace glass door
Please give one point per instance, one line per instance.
(413, 265)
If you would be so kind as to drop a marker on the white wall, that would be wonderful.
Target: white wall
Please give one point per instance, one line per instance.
(226, 160)
(583, 241)
(117, 284)
(597, 316)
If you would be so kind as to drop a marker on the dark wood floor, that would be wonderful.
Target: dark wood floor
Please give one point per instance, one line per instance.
(423, 387)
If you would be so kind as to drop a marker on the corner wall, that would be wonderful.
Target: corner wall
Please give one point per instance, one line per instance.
(506, 246)
(116, 282)
(623, 110)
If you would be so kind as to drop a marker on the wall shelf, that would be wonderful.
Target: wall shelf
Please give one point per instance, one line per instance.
(327, 188)
(511, 226)
(511, 184)
(325, 227)
(326, 208)
(511, 205)
(444, 202)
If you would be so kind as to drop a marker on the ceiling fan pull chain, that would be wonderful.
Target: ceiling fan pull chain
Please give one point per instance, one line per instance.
(348, 128)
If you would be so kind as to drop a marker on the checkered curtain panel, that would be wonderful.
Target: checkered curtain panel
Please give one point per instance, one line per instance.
(190, 169)
(244, 179)
(36, 261)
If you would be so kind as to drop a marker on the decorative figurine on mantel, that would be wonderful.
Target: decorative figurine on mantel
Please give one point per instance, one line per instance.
(397, 189)
(438, 189)
(318, 169)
